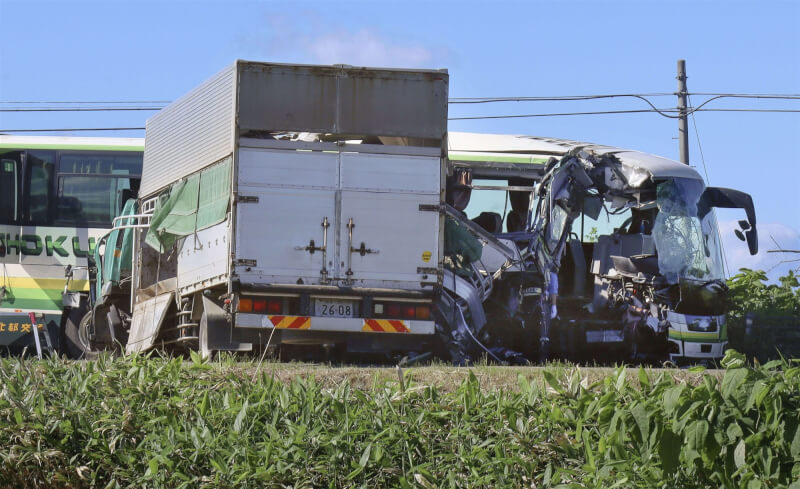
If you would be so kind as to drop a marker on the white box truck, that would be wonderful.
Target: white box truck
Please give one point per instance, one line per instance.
(289, 205)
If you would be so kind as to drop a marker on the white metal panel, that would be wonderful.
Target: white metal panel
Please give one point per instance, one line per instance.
(381, 172)
(296, 192)
(271, 231)
(190, 133)
(391, 224)
(259, 168)
(147, 318)
(203, 257)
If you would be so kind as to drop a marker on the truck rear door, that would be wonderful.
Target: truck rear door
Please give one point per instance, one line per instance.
(337, 218)
(284, 198)
(385, 239)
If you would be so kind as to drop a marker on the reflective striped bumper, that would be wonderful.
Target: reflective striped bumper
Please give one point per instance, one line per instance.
(346, 325)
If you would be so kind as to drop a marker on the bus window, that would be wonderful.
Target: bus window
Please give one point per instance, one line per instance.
(89, 199)
(10, 183)
(39, 184)
(606, 223)
(499, 201)
(100, 164)
(90, 186)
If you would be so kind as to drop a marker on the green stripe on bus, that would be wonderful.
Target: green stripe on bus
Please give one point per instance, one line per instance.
(498, 159)
(695, 337)
(85, 147)
(26, 293)
(35, 304)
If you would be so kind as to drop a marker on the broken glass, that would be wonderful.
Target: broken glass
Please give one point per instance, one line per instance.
(687, 247)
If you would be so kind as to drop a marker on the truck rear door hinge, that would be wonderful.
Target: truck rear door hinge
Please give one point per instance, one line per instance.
(245, 262)
(430, 208)
(248, 199)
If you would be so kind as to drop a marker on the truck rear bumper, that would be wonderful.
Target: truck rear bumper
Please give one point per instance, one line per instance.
(329, 324)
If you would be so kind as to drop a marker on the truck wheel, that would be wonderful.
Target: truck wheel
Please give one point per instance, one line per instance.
(76, 334)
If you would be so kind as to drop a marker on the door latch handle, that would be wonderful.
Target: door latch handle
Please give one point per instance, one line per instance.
(311, 248)
(363, 250)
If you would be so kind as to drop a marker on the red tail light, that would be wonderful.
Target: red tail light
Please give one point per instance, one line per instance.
(274, 306)
(260, 306)
(400, 311)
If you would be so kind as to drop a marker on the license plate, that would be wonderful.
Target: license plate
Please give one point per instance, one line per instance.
(334, 309)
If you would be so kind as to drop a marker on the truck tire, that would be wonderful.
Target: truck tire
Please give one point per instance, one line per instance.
(76, 335)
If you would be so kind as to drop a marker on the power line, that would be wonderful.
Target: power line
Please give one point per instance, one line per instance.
(477, 100)
(790, 111)
(663, 112)
(559, 98)
(76, 129)
(482, 117)
(467, 100)
(79, 109)
(748, 95)
(519, 116)
(607, 112)
(725, 265)
(87, 102)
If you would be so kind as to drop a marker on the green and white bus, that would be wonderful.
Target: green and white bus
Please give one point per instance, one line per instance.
(58, 196)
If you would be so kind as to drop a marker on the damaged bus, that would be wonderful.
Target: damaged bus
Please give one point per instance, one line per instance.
(587, 252)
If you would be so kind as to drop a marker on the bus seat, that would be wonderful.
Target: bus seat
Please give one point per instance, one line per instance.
(490, 221)
(515, 221)
(579, 270)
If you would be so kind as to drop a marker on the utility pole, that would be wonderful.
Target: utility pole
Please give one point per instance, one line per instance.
(683, 122)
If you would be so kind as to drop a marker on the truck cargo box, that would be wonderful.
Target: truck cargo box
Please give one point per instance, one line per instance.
(322, 184)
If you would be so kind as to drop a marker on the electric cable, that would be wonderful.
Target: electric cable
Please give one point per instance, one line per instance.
(558, 114)
(73, 129)
(726, 268)
(79, 109)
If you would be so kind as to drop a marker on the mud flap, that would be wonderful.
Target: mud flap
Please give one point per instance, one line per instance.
(215, 331)
(148, 316)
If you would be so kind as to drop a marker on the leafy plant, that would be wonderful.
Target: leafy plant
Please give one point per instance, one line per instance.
(749, 292)
(174, 423)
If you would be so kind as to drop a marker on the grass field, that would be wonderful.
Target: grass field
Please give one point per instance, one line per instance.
(152, 422)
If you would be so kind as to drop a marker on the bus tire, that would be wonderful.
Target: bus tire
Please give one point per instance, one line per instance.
(76, 334)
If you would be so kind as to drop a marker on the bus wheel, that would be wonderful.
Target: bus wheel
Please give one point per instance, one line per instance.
(76, 334)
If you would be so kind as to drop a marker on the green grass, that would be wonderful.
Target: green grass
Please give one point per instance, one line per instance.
(151, 422)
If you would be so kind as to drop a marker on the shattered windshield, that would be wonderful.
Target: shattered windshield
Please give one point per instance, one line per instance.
(687, 247)
(558, 221)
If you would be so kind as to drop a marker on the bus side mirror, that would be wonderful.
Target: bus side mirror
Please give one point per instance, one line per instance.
(732, 199)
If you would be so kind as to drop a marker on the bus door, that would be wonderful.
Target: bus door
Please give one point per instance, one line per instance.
(10, 208)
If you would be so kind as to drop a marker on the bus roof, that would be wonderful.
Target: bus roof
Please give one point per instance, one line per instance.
(534, 151)
(71, 143)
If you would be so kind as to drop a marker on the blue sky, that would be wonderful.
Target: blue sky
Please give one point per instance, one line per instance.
(118, 50)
